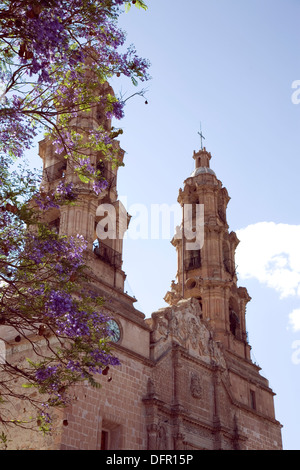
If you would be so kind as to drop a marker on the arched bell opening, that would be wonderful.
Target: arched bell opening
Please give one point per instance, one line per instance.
(234, 319)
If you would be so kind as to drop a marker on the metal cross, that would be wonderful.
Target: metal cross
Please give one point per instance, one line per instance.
(201, 137)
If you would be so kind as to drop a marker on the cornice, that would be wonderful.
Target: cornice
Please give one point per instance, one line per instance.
(134, 355)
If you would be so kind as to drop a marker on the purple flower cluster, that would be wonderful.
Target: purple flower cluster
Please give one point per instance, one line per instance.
(84, 165)
(55, 42)
(99, 186)
(66, 141)
(58, 303)
(118, 109)
(65, 191)
(46, 34)
(16, 133)
(101, 357)
(45, 373)
(62, 254)
(46, 201)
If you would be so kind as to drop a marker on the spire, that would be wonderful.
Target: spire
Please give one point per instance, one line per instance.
(201, 137)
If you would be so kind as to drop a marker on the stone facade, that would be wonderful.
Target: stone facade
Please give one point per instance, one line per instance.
(186, 380)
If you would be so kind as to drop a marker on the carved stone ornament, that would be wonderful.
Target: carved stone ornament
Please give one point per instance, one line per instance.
(157, 437)
(150, 389)
(162, 438)
(195, 386)
(182, 324)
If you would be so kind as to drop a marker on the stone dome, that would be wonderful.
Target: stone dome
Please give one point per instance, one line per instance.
(202, 170)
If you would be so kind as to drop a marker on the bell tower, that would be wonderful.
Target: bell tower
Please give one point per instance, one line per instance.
(92, 212)
(206, 264)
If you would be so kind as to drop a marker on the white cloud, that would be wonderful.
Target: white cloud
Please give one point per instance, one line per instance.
(270, 253)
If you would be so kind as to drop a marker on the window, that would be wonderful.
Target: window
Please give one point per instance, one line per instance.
(107, 254)
(106, 174)
(228, 262)
(111, 435)
(194, 260)
(54, 225)
(55, 172)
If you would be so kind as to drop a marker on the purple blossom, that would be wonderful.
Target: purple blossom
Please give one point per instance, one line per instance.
(84, 164)
(118, 109)
(46, 201)
(65, 191)
(50, 41)
(99, 186)
(44, 373)
(58, 303)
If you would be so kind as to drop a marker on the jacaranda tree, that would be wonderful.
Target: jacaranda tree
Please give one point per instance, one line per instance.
(54, 55)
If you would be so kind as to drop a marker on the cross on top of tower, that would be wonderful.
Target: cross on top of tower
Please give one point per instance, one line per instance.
(201, 137)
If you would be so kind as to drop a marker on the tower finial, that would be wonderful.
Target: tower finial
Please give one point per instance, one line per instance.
(201, 136)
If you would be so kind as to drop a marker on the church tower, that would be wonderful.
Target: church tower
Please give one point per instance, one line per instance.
(206, 264)
(86, 215)
(220, 400)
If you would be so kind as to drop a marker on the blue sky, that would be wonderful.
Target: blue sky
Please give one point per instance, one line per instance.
(231, 65)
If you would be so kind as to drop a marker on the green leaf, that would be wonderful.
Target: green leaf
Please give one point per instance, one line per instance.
(83, 178)
(141, 4)
(137, 4)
